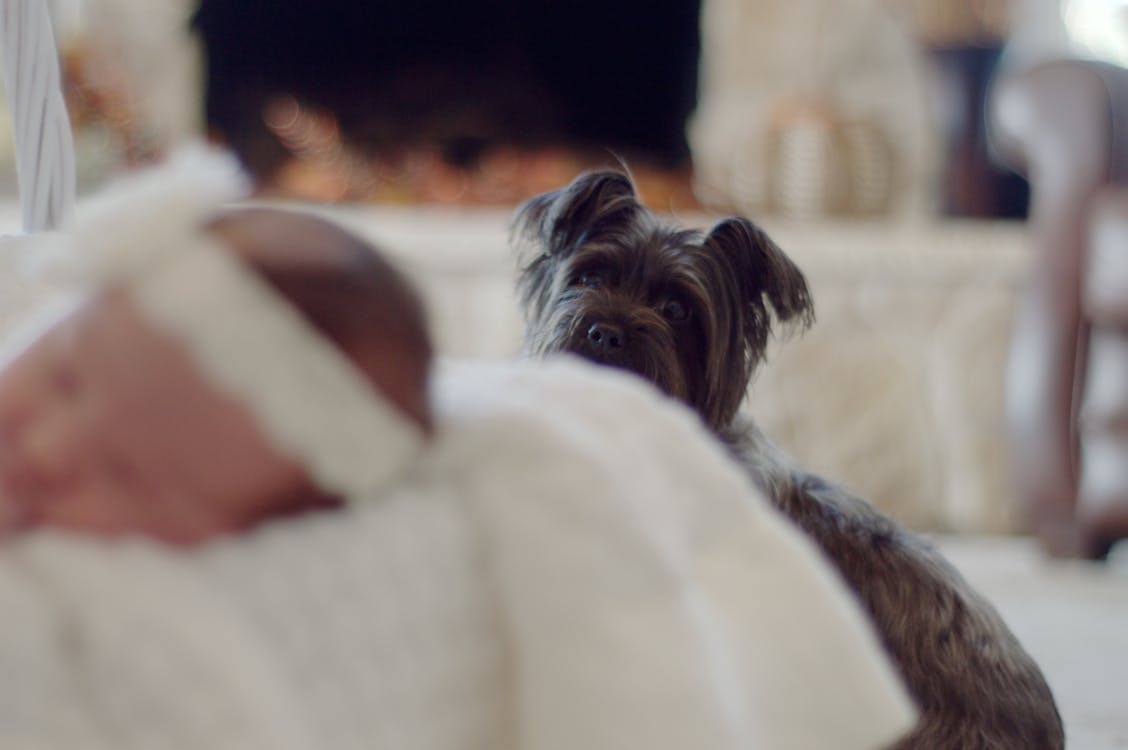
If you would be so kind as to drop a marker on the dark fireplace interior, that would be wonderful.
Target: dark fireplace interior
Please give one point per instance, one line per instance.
(600, 79)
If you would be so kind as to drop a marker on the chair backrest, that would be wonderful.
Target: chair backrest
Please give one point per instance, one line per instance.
(1064, 124)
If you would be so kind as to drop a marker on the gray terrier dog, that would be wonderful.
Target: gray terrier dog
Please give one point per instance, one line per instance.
(691, 311)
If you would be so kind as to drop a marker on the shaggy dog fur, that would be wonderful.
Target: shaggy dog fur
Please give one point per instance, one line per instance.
(692, 311)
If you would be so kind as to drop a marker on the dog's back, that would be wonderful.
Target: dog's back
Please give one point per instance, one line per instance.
(692, 312)
(976, 686)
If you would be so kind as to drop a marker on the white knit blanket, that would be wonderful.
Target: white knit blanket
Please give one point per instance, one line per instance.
(574, 565)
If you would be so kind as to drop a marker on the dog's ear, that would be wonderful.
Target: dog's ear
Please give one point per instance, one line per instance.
(769, 282)
(556, 222)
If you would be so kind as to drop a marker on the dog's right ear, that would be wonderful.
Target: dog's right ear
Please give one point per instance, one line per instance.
(556, 222)
(770, 282)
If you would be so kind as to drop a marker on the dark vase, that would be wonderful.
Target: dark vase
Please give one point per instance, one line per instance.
(971, 183)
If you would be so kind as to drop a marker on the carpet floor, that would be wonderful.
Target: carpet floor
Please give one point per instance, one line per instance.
(1073, 618)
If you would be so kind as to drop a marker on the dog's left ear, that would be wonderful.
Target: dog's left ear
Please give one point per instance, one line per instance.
(769, 281)
(555, 222)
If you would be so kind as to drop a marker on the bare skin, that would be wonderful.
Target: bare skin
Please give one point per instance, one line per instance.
(106, 427)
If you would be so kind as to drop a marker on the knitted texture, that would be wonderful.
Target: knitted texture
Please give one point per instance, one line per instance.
(574, 563)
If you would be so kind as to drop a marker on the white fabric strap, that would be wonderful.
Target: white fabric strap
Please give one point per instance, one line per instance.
(256, 347)
(307, 396)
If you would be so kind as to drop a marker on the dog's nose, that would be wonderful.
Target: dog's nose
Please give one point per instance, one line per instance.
(607, 336)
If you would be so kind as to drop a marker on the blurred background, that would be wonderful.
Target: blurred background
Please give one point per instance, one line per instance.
(847, 107)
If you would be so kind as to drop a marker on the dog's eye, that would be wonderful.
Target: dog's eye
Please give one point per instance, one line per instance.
(674, 309)
(590, 278)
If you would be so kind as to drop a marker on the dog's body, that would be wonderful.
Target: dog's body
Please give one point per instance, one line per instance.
(691, 311)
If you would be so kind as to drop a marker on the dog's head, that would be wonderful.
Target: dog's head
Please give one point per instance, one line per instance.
(690, 310)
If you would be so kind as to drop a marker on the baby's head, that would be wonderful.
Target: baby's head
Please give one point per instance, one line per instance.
(184, 399)
(347, 290)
